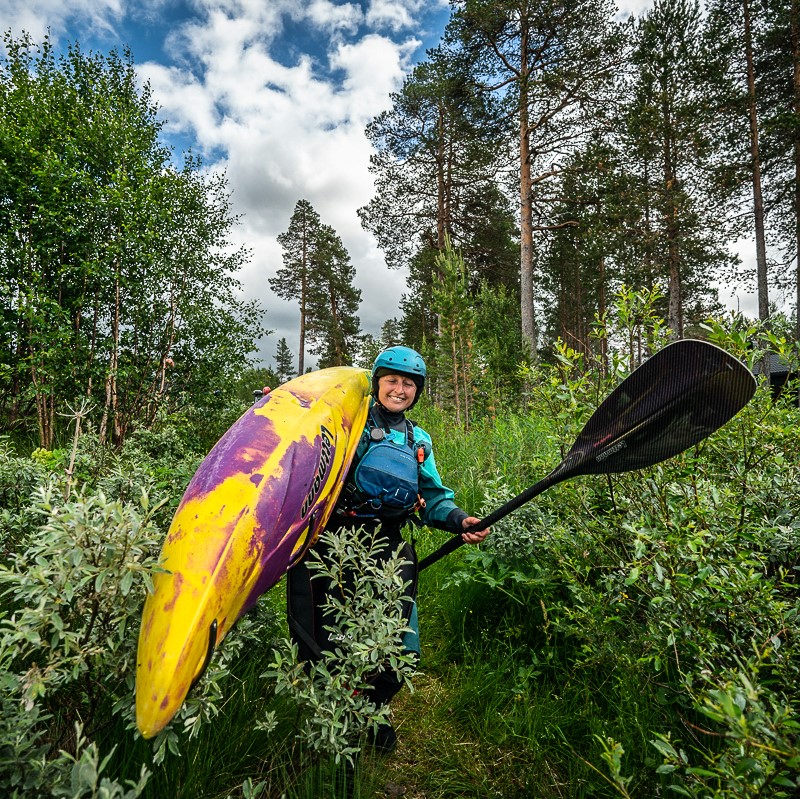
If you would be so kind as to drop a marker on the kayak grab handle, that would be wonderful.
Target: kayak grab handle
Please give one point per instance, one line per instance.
(212, 640)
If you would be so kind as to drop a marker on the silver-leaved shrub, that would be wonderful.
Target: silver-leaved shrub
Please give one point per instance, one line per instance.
(368, 627)
(70, 600)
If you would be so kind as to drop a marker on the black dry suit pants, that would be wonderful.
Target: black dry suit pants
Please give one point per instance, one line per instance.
(308, 618)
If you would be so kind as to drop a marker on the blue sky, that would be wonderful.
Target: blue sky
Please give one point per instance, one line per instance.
(276, 93)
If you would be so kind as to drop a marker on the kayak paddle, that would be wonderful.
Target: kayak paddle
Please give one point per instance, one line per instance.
(675, 399)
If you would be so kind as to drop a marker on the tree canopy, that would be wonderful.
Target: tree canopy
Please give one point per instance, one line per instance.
(117, 282)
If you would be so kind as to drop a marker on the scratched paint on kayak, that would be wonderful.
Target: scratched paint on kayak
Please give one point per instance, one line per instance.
(254, 506)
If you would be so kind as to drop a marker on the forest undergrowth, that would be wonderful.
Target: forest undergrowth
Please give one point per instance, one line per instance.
(633, 635)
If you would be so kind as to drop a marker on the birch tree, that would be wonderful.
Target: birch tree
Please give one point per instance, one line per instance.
(114, 263)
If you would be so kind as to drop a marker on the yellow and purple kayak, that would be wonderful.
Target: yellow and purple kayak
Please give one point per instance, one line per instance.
(255, 505)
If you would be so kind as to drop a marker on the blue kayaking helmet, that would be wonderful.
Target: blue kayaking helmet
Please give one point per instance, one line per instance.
(400, 361)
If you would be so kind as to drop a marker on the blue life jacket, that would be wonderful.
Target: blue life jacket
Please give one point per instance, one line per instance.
(385, 480)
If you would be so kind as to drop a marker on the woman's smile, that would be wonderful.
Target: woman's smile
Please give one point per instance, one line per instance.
(396, 392)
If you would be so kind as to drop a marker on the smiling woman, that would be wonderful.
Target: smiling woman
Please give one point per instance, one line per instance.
(396, 393)
(393, 479)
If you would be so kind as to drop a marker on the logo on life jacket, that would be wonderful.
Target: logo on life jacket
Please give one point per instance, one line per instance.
(322, 469)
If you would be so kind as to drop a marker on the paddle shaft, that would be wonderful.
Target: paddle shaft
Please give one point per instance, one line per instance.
(556, 476)
(569, 467)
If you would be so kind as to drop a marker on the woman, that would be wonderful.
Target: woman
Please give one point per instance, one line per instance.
(393, 477)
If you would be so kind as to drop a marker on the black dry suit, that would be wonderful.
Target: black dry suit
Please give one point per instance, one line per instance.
(393, 476)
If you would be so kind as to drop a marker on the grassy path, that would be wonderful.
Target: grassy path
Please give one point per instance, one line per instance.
(439, 758)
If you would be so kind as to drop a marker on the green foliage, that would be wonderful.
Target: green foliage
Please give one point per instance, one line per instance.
(498, 350)
(759, 755)
(318, 274)
(368, 626)
(70, 598)
(253, 380)
(18, 479)
(592, 251)
(675, 148)
(116, 284)
(283, 362)
(625, 636)
(670, 579)
(451, 367)
(86, 772)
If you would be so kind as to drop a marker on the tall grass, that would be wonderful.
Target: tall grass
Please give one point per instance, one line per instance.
(630, 636)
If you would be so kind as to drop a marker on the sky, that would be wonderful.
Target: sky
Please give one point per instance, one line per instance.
(277, 94)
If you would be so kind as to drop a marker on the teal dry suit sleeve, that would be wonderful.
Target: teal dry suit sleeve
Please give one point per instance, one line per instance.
(440, 509)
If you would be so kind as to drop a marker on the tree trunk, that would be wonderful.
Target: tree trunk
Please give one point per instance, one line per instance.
(675, 303)
(796, 81)
(110, 406)
(671, 225)
(454, 356)
(337, 341)
(601, 309)
(92, 342)
(44, 410)
(303, 291)
(529, 334)
(755, 170)
(466, 375)
(441, 225)
(441, 205)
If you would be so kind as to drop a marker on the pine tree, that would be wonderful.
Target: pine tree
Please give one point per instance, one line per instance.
(283, 361)
(778, 77)
(552, 63)
(674, 147)
(439, 154)
(593, 251)
(453, 373)
(733, 27)
(295, 279)
(333, 325)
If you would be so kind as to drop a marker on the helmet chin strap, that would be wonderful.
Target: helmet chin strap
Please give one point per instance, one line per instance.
(391, 416)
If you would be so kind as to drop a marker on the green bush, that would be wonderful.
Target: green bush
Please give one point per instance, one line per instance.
(368, 623)
(632, 635)
(19, 477)
(68, 626)
(669, 579)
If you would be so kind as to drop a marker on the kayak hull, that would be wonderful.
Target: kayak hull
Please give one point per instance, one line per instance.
(255, 505)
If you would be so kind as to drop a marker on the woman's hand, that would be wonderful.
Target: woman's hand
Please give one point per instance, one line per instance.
(474, 537)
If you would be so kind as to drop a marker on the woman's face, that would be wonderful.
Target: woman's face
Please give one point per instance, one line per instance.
(396, 392)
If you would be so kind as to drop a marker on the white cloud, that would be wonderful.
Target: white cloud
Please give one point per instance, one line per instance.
(374, 67)
(395, 16)
(37, 16)
(335, 18)
(399, 15)
(637, 8)
(288, 132)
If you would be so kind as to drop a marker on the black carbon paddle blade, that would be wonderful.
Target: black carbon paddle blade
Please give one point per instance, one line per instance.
(675, 399)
